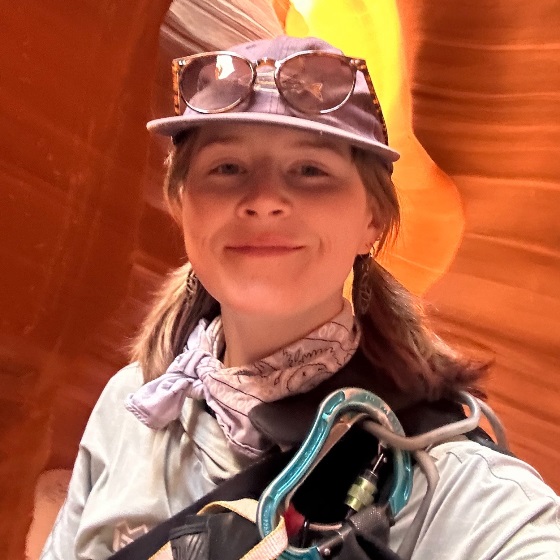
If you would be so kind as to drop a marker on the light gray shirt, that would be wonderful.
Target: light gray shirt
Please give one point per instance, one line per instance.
(128, 478)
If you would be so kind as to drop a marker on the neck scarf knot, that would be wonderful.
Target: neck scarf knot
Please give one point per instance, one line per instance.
(232, 392)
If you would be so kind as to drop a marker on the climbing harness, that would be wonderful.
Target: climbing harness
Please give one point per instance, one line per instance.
(230, 526)
(377, 418)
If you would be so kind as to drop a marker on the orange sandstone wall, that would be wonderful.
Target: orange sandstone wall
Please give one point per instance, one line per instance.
(84, 239)
(486, 86)
(74, 97)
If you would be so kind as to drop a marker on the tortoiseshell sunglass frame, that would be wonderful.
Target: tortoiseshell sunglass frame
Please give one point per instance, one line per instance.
(356, 64)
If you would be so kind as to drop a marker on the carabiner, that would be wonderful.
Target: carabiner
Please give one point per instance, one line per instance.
(359, 402)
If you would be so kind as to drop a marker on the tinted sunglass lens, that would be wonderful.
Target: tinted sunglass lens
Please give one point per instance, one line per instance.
(215, 82)
(313, 83)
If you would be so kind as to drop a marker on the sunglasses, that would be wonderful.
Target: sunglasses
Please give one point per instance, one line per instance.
(311, 82)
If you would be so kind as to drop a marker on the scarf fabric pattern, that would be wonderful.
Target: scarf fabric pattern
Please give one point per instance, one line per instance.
(231, 393)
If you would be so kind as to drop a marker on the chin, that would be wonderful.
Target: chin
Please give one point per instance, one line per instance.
(274, 303)
(266, 308)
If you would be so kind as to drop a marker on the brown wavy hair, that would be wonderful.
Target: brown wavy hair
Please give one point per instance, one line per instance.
(396, 336)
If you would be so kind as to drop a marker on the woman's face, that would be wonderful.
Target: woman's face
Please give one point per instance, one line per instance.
(273, 218)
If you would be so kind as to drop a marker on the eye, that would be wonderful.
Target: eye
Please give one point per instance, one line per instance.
(311, 170)
(227, 169)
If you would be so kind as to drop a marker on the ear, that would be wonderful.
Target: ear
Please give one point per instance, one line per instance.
(373, 229)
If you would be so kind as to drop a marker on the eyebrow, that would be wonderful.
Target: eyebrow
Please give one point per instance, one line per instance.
(318, 143)
(217, 140)
(321, 144)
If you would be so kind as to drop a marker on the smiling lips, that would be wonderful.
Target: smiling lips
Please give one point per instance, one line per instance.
(259, 251)
(264, 248)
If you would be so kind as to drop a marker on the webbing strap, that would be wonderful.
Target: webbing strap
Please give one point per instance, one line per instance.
(268, 548)
(164, 553)
(251, 481)
(245, 507)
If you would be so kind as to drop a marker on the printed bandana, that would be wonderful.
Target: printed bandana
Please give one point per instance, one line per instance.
(231, 393)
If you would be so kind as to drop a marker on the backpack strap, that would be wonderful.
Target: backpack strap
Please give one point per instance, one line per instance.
(286, 423)
(249, 483)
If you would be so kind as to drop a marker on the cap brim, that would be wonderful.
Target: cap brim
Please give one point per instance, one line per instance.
(172, 126)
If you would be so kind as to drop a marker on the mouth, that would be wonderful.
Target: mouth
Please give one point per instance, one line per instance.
(264, 250)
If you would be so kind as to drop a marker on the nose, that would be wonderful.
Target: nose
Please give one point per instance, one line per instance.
(264, 197)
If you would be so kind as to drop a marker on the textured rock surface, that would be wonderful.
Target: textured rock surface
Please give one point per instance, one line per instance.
(74, 96)
(486, 87)
(84, 238)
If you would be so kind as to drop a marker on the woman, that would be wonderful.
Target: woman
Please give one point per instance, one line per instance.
(281, 183)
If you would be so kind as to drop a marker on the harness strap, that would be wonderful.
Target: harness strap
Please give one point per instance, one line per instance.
(164, 553)
(286, 423)
(250, 482)
(268, 548)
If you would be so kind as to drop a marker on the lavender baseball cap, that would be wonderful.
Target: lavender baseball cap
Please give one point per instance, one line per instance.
(355, 121)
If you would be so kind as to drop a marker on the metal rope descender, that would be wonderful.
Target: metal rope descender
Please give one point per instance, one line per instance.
(336, 415)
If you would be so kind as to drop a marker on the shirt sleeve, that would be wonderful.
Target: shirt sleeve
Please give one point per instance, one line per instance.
(487, 505)
(93, 455)
(60, 542)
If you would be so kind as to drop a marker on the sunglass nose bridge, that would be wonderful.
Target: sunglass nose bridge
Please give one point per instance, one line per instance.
(264, 70)
(266, 61)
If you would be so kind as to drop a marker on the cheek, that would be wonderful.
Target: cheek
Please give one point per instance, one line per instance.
(195, 225)
(347, 228)
(203, 222)
(342, 237)
(191, 242)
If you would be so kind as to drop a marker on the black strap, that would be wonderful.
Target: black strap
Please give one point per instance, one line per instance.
(286, 422)
(249, 483)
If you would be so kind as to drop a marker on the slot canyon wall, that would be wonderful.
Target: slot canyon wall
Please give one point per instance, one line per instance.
(85, 239)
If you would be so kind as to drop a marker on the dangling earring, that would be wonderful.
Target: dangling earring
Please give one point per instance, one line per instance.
(364, 288)
(191, 288)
